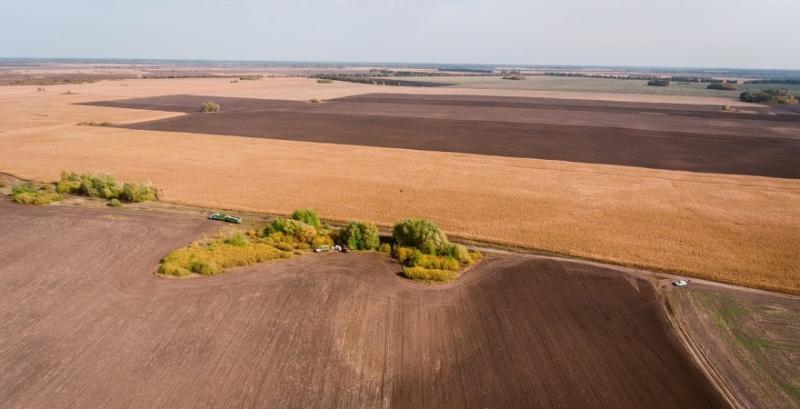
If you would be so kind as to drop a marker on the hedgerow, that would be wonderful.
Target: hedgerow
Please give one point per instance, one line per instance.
(104, 187)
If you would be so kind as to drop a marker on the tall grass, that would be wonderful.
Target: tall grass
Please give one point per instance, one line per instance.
(429, 275)
(282, 238)
(214, 257)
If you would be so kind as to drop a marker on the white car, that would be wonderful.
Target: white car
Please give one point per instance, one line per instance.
(680, 283)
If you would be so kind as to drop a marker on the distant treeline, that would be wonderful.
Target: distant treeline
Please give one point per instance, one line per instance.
(367, 79)
(638, 77)
(772, 96)
(394, 73)
(789, 81)
(469, 70)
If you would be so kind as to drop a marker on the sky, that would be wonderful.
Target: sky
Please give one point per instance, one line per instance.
(667, 33)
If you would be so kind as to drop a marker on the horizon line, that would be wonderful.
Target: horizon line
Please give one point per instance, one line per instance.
(355, 62)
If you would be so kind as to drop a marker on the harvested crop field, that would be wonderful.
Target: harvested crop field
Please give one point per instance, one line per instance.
(732, 228)
(761, 142)
(86, 324)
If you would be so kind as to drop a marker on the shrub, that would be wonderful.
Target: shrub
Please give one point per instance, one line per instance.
(203, 267)
(28, 193)
(459, 253)
(70, 183)
(2, 184)
(436, 262)
(324, 81)
(406, 255)
(137, 192)
(421, 234)
(294, 229)
(385, 248)
(727, 107)
(315, 100)
(307, 216)
(209, 107)
(237, 239)
(360, 236)
(114, 203)
(252, 77)
(92, 123)
(320, 241)
(104, 187)
(425, 274)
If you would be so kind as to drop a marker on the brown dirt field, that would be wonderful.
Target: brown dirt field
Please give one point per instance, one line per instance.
(736, 229)
(371, 120)
(750, 339)
(86, 324)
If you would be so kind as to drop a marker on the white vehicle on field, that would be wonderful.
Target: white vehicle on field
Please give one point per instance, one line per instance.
(680, 283)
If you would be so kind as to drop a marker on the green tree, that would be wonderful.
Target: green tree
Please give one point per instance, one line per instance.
(307, 216)
(421, 234)
(360, 236)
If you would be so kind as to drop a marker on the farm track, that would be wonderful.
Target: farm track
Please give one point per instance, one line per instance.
(764, 142)
(87, 325)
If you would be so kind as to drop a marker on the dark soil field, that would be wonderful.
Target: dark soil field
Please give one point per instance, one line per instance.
(761, 141)
(86, 324)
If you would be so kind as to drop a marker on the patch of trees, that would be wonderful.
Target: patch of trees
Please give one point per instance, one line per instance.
(366, 79)
(514, 77)
(659, 82)
(360, 236)
(724, 86)
(425, 252)
(771, 96)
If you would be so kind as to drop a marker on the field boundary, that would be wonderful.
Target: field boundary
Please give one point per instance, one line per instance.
(472, 242)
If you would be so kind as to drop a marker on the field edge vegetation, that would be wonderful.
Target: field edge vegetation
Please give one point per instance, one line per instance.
(418, 245)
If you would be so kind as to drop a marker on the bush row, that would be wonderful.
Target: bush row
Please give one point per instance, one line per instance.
(104, 187)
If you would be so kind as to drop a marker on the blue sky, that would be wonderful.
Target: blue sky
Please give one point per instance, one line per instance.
(696, 33)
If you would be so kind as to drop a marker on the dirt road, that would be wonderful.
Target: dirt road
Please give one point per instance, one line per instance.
(86, 324)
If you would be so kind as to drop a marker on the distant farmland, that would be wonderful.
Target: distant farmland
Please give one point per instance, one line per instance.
(583, 84)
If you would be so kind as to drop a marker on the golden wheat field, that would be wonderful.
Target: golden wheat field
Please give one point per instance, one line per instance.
(737, 229)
